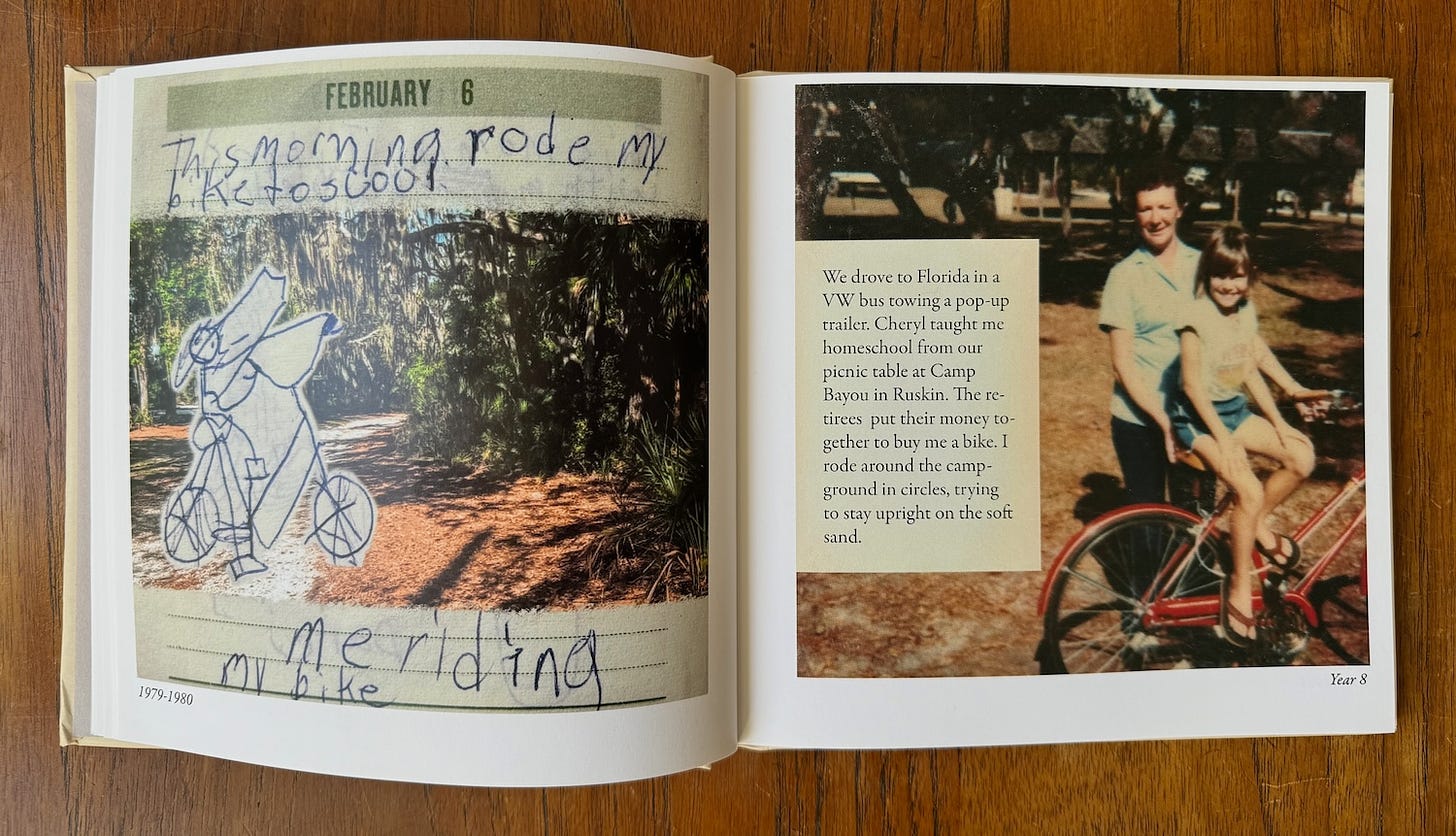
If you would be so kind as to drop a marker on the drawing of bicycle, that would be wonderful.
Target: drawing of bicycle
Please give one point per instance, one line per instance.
(217, 504)
(256, 449)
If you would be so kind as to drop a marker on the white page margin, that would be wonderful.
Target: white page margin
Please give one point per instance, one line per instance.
(780, 709)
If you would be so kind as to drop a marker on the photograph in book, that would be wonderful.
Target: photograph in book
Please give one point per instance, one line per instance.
(400, 435)
(1192, 265)
(472, 378)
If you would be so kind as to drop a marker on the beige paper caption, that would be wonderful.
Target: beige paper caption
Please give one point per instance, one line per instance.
(481, 132)
(917, 403)
(418, 658)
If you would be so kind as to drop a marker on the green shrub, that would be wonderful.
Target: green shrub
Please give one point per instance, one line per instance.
(661, 527)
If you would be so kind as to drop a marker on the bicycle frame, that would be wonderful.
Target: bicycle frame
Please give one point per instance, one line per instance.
(213, 472)
(1300, 593)
(1163, 610)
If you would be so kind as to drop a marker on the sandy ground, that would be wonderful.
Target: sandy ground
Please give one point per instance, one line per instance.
(444, 537)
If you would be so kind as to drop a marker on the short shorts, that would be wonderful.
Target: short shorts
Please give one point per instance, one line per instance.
(1188, 426)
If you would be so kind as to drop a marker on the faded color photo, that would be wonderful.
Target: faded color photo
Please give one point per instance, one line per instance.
(1202, 347)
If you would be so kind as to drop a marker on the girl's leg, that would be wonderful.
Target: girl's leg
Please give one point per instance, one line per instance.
(1295, 455)
(1248, 499)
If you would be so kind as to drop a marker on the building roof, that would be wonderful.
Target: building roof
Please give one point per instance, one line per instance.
(1093, 136)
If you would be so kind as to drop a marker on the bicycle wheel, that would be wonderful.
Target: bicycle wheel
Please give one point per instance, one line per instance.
(343, 519)
(1344, 620)
(190, 524)
(1095, 608)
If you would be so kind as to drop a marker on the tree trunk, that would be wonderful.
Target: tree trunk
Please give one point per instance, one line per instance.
(143, 413)
(1062, 185)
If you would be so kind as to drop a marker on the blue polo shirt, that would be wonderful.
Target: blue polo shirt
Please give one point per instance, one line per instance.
(1148, 301)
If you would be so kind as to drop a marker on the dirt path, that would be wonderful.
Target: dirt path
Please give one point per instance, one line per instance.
(444, 536)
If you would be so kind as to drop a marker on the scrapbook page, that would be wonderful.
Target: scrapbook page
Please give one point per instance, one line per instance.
(410, 413)
(601, 412)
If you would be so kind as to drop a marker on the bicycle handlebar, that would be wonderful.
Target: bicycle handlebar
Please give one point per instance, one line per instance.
(1324, 405)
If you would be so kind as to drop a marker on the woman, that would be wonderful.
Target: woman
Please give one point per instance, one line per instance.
(1141, 305)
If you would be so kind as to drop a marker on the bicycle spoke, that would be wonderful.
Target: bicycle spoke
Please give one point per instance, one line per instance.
(1131, 602)
(1114, 638)
(1111, 658)
(1096, 642)
(346, 520)
(1094, 616)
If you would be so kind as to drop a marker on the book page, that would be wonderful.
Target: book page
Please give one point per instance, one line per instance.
(412, 409)
(997, 292)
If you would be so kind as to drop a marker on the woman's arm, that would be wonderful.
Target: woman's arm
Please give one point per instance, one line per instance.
(1145, 397)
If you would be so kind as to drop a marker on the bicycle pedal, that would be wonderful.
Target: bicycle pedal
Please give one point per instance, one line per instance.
(1142, 642)
(245, 565)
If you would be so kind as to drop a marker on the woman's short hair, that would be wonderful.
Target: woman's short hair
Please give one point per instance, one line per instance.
(1153, 174)
(1225, 254)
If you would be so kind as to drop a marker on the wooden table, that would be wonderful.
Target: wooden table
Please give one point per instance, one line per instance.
(1404, 783)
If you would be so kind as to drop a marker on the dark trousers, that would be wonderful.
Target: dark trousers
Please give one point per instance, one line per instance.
(1147, 476)
(1143, 459)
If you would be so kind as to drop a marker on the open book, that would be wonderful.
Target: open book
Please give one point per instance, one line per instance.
(495, 413)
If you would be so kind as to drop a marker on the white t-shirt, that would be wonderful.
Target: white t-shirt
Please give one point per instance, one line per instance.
(1230, 344)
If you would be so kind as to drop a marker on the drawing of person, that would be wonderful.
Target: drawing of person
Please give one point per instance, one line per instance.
(254, 440)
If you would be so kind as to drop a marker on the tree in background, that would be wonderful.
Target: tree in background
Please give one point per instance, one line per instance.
(559, 335)
(1248, 146)
(530, 343)
(170, 288)
(523, 344)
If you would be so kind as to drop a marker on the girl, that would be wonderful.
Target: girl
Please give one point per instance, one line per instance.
(1221, 352)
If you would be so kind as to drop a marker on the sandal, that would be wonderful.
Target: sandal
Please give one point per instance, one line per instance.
(1228, 616)
(1282, 560)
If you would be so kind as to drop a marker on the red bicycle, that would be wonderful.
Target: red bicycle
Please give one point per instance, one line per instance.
(1138, 588)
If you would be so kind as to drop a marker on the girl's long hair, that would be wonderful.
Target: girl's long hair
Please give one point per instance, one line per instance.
(1225, 254)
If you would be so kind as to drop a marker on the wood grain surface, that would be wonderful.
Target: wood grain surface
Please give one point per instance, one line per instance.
(1401, 783)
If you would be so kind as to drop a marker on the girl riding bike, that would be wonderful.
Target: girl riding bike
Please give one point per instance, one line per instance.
(1220, 353)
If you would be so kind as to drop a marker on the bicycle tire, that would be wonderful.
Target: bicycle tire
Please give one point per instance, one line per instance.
(189, 525)
(343, 519)
(1101, 589)
(1344, 619)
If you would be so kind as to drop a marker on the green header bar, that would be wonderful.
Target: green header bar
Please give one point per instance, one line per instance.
(406, 93)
